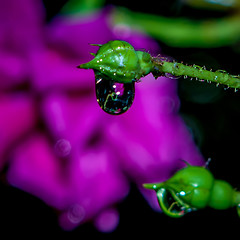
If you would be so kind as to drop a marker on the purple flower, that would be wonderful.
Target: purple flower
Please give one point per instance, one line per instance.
(62, 147)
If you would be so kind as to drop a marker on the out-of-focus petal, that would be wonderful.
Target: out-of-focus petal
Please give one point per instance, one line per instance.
(13, 70)
(21, 32)
(75, 118)
(157, 138)
(79, 167)
(107, 220)
(36, 170)
(152, 136)
(20, 25)
(18, 117)
(73, 35)
(96, 184)
(53, 71)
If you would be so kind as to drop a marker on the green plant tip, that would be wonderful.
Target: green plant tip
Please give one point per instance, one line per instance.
(118, 61)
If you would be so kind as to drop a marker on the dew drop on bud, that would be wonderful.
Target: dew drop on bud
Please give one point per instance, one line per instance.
(113, 97)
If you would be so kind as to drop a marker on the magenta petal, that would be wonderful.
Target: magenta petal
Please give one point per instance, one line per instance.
(36, 170)
(107, 221)
(17, 118)
(96, 184)
(82, 167)
(21, 25)
(52, 71)
(13, 70)
(151, 139)
(20, 34)
(157, 138)
(73, 35)
(75, 119)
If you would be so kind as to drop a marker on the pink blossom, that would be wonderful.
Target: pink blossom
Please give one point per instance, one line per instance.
(62, 147)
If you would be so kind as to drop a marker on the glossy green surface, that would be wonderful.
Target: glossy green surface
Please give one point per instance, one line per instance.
(193, 188)
(120, 62)
(194, 184)
(221, 195)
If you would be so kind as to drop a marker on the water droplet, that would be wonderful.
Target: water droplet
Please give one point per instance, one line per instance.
(182, 193)
(113, 97)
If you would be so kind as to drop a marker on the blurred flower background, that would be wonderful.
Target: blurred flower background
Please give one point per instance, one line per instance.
(66, 164)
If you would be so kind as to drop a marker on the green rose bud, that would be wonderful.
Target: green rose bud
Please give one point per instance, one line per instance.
(120, 62)
(193, 184)
(193, 188)
(221, 195)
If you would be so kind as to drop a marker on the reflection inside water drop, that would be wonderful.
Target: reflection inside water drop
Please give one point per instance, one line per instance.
(113, 97)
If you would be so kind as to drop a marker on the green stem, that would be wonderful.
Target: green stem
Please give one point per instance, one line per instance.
(200, 73)
(153, 186)
(182, 32)
(75, 7)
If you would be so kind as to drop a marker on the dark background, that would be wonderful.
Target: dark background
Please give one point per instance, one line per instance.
(212, 115)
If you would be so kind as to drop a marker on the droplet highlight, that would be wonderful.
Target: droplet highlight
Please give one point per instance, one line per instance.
(113, 97)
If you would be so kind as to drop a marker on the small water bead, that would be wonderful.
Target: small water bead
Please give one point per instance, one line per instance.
(113, 97)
